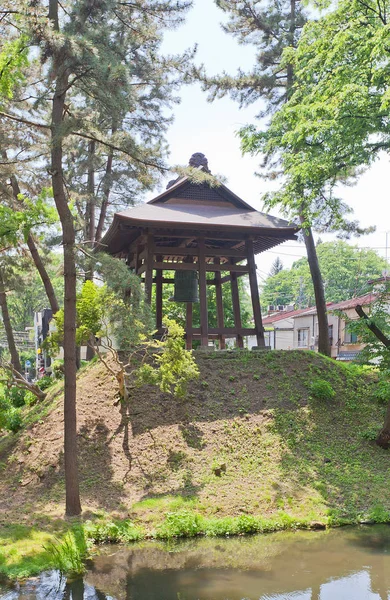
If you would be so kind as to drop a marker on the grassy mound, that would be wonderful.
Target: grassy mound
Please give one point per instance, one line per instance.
(261, 441)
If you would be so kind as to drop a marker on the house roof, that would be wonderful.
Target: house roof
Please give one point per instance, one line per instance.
(280, 316)
(353, 302)
(311, 310)
(202, 207)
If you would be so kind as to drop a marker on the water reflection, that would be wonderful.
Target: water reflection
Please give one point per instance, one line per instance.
(336, 565)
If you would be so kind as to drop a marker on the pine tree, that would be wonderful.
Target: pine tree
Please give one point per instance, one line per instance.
(276, 267)
(86, 77)
(271, 27)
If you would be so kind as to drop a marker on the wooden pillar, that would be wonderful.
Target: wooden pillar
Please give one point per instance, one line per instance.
(255, 294)
(218, 297)
(236, 306)
(149, 267)
(204, 329)
(189, 326)
(137, 262)
(159, 288)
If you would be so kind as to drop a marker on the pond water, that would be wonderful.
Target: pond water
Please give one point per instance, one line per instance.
(341, 564)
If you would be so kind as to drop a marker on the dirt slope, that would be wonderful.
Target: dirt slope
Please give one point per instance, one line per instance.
(247, 439)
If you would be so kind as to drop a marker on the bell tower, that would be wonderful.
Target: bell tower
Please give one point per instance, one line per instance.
(193, 229)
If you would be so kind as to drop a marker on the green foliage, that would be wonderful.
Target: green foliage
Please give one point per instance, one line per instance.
(334, 122)
(382, 388)
(68, 555)
(45, 382)
(321, 389)
(184, 523)
(11, 419)
(103, 531)
(345, 271)
(374, 351)
(13, 61)
(123, 303)
(15, 225)
(175, 365)
(379, 514)
(15, 396)
(90, 309)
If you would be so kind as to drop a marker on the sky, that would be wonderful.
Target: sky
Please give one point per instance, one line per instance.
(201, 126)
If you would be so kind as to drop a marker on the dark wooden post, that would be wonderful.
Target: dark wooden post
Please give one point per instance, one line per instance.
(159, 288)
(218, 297)
(204, 329)
(255, 294)
(137, 262)
(149, 267)
(189, 326)
(236, 306)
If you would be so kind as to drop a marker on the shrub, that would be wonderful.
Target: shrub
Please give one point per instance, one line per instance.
(45, 382)
(180, 524)
(321, 390)
(382, 390)
(16, 396)
(102, 532)
(13, 419)
(58, 368)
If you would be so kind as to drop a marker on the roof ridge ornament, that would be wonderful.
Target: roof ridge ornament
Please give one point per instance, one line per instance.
(197, 161)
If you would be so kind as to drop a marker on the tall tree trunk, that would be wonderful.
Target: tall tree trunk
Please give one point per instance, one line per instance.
(90, 232)
(15, 360)
(50, 293)
(292, 28)
(73, 505)
(106, 196)
(319, 293)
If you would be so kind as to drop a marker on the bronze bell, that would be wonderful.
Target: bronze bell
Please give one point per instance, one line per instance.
(186, 287)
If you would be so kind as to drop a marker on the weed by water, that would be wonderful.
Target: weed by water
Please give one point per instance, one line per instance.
(104, 531)
(69, 554)
(184, 523)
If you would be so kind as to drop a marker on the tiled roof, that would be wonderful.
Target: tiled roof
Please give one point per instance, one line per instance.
(353, 302)
(311, 310)
(279, 316)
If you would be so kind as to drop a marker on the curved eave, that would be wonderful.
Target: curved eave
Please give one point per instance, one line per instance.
(125, 230)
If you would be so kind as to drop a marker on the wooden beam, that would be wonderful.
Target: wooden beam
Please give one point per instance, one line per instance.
(159, 288)
(171, 280)
(225, 331)
(236, 309)
(210, 252)
(255, 294)
(218, 297)
(149, 268)
(204, 338)
(171, 266)
(228, 278)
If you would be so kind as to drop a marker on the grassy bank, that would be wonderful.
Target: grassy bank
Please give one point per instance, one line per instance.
(261, 442)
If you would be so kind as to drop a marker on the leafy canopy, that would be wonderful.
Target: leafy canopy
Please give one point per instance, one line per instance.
(336, 120)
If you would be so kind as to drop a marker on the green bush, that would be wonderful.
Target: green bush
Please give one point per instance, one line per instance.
(180, 524)
(45, 382)
(13, 419)
(101, 532)
(16, 396)
(58, 368)
(382, 390)
(321, 390)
